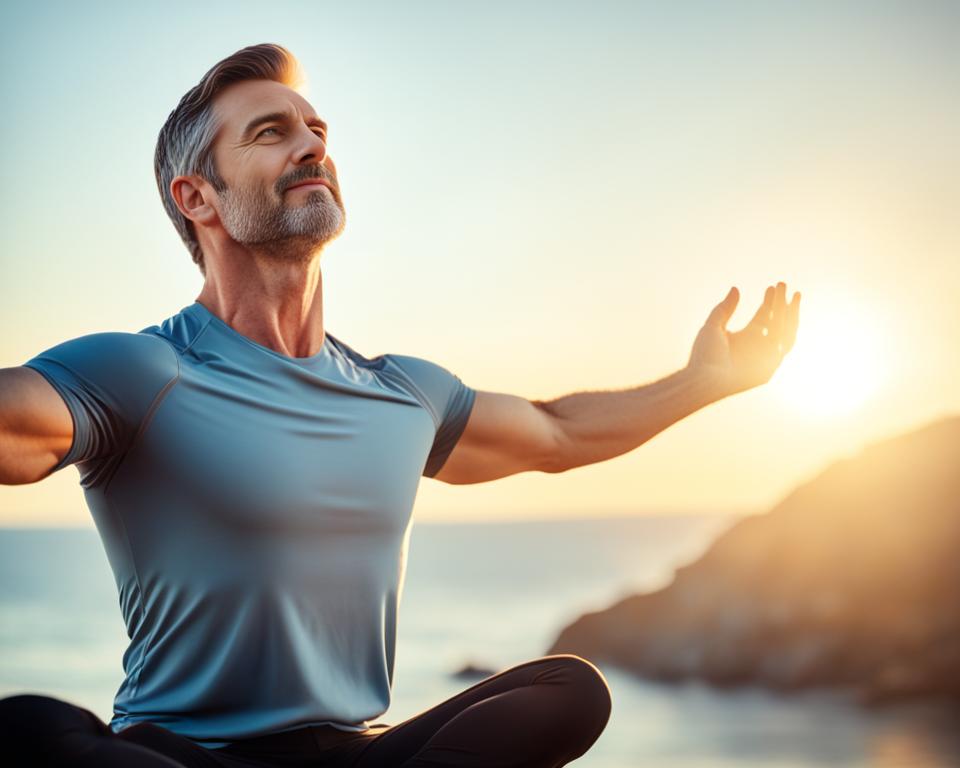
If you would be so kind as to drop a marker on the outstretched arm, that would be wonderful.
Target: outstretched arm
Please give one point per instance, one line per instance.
(506, 434)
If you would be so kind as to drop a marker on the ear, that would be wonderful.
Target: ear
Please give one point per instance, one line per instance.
(193, 196)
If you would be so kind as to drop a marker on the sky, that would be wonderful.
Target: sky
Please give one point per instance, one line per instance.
(544, 198)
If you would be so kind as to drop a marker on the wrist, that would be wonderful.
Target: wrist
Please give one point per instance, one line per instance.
(710, 379)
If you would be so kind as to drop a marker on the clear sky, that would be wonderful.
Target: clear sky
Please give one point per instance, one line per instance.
(544, 197)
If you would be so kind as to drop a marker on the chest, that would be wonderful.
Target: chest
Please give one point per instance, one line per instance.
(302, 453)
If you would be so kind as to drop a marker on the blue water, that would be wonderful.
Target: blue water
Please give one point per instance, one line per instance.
(495, 594)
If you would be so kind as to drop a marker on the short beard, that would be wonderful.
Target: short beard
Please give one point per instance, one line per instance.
(270, 227)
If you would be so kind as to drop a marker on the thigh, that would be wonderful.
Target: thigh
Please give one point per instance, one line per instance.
(40, 731)
(558, 698)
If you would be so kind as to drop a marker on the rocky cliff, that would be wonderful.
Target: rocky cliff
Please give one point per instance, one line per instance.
(852, 580)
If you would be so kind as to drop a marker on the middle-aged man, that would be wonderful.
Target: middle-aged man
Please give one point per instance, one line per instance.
(252, 478)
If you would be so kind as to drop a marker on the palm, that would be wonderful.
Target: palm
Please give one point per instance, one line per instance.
(747, 358)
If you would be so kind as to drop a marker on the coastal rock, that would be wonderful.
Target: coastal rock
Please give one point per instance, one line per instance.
(852, 580)
(470, 671)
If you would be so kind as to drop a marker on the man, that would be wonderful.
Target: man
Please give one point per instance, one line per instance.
(252, 477)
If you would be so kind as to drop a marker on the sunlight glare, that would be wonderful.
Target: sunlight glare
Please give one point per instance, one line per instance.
(835, 365)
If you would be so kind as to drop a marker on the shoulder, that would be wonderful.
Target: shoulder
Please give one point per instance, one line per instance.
(442, 391)
(122, 370)
(114, 352)
(108, 381)
(418, 368)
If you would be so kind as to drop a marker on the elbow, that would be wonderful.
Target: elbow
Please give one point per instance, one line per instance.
(557, 457)
(556, 461)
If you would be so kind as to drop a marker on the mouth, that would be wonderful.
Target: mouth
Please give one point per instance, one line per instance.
(309, 184)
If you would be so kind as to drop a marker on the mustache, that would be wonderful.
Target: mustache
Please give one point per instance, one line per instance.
(302, 174)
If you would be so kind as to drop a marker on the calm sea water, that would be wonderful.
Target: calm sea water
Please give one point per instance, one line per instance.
(494, 594)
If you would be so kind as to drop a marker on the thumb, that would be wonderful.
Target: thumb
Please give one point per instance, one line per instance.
(722, 313)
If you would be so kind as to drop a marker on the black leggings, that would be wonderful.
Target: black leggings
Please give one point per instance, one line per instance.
(538, 714)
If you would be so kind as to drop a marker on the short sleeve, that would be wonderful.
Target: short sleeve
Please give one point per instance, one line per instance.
(454, 421)
(108, 382)
(449, 400)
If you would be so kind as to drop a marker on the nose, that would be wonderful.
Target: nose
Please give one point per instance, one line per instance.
(312, 148)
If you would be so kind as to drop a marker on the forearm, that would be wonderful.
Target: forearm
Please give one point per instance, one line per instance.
(597, 426)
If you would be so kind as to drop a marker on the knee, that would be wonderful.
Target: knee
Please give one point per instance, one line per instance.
(42, 725)
(589, 692)
(31, 714)
(22, 708)
(17, 713)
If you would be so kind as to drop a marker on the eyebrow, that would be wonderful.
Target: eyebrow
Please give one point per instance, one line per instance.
(277, 117)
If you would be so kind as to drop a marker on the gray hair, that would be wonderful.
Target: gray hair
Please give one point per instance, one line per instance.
(185, 143)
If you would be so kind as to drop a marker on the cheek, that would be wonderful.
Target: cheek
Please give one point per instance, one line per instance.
(261, 167)
(261, 184)
(249, 197)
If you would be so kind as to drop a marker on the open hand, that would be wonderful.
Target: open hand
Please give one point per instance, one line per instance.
(744, 359)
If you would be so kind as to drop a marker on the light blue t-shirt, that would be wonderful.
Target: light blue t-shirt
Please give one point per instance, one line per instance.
(255, 509)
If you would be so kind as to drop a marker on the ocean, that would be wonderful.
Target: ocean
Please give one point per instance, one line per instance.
(492, 594)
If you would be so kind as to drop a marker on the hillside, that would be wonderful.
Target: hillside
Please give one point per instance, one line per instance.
(852, 580)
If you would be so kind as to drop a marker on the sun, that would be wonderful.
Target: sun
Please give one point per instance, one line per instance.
(835, 366)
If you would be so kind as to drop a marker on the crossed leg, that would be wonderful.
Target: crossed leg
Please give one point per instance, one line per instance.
(540, 714)
(43, 732)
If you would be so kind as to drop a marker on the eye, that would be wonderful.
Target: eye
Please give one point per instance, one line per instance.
(319, 132)
(266, 131)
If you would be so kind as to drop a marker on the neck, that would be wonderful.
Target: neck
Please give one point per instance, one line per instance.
(277, 303)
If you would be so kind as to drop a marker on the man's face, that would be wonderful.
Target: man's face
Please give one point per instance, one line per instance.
(280, 189)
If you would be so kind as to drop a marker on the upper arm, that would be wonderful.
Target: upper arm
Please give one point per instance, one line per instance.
(36, 429)
(505, 434)
(106, 382)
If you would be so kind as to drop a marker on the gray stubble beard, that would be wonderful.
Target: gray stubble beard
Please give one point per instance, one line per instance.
(279, 231)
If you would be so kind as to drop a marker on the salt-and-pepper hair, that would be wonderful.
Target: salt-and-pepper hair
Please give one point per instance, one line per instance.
(185, 143)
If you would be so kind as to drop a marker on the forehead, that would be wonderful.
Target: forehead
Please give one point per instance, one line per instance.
(240, 102)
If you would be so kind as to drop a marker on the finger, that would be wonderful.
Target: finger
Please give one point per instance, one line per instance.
(793, 322)
(724, 310)
(762, 317)
(779, 312)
